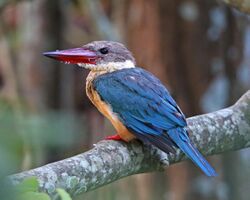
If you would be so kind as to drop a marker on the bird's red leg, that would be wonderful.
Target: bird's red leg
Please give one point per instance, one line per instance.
(114, 137)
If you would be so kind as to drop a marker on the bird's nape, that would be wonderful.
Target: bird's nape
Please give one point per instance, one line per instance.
(134, 100)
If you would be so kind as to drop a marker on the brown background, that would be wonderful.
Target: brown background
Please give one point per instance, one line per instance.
(198, 48)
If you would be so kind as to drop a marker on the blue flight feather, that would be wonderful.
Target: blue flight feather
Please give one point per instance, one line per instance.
(147, 109)
(180, 137)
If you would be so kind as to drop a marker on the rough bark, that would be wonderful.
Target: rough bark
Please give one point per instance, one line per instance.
(213, 133)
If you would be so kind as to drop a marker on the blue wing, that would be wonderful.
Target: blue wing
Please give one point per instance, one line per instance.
(142, 103)
(146, 108)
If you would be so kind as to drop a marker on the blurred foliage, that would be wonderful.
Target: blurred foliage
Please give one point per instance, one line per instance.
(63, 194)
(10, 141)
(28, 189)
(200, 49)
(23, 132)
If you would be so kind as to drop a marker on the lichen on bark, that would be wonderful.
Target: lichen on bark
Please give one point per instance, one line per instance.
(212, 133)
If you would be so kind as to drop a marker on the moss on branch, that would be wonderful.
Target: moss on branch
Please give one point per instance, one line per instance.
(212, 133)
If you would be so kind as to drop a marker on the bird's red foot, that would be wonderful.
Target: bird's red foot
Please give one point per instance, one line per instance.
(114, 137)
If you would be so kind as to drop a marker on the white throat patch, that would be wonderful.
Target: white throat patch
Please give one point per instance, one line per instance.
(109, 67)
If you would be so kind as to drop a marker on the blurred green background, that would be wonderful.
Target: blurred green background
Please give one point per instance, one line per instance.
(200, 49)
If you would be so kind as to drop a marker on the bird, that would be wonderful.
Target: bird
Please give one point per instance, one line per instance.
(136, 103)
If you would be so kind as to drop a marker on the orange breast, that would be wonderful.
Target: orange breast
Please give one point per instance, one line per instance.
(106, 110)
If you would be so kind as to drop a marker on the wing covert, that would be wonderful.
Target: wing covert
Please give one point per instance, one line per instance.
(142, 103)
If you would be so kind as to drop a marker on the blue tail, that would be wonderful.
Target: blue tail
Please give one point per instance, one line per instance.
(180, 137)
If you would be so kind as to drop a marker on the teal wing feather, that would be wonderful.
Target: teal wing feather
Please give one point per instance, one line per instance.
(147, 109)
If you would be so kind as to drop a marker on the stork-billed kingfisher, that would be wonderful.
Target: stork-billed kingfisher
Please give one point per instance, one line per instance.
(134, 100)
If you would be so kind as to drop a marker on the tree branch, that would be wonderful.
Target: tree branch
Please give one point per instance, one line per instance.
(213, 133)
(242, 5)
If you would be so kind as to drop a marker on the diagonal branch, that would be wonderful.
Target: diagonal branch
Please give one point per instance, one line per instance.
(213, 133)
(242, 5)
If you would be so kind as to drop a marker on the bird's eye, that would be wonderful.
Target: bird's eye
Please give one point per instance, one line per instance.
(104, 50)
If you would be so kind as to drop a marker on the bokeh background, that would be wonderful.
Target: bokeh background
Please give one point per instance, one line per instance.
(200, 49)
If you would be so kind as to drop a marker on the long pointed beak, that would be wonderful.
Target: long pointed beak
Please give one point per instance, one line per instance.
(73, 56)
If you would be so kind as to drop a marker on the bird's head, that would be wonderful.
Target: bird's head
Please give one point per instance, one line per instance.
(96, 56)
